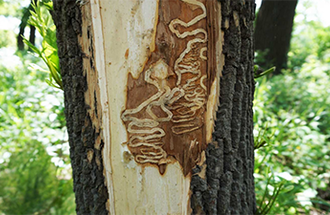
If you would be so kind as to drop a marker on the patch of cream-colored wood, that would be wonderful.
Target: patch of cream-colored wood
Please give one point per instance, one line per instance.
(124, 34)
(102, 79)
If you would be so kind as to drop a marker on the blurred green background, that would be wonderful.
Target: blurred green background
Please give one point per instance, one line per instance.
(292, 121)
(35, 172)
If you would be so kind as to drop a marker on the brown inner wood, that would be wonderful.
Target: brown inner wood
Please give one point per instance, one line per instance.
(181, 141)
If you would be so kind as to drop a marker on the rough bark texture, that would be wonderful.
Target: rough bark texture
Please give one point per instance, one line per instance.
(273, 32)
(229, 184)
(90, 191)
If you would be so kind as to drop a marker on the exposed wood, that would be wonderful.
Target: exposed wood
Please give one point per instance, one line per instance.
(165, 106)
(91, 42)
(154, 63)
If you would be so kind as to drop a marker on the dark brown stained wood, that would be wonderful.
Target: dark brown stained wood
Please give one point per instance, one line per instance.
(165, 108)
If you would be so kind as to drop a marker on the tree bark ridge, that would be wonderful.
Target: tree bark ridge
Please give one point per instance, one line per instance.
(82, 115)
(229, 185)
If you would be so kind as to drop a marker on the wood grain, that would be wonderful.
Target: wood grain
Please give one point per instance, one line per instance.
(166, 104)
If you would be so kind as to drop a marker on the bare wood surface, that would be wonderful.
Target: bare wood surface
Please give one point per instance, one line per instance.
(155, 84)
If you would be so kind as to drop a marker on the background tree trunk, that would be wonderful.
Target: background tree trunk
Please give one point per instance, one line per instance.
(22, 26)
(216, 177)
(273, 32)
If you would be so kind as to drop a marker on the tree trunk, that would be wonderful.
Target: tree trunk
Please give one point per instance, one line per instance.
(32, 37)
(25, 18)
(24, 23)
(273, 32)
(150, 129)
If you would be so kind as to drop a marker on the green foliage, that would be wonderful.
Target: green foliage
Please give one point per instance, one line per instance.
(259, 73)
(272, 189)
(35, 173)
(309, 38)
(292, 119)
(7, 38)
(10, 8)
(42, 20)
(29, 183)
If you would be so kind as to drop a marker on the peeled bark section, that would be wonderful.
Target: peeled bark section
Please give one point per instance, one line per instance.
(158, 90)
(150, 130)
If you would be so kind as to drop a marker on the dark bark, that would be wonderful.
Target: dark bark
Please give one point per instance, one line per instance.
(273, 32)
(32, 37)
(90, 191)
(26, 15)
(229, 185)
